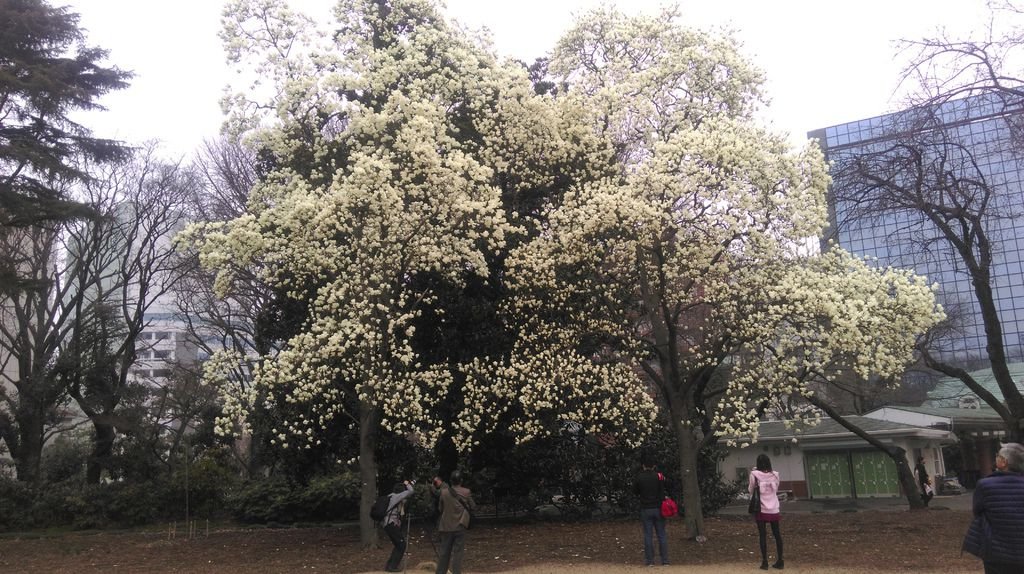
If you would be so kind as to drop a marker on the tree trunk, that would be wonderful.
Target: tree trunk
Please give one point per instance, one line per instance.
(693, 514)
(996, 351)
(29, 453)
(102, 447)
(678, 395)
(368, 421)
(104, 434)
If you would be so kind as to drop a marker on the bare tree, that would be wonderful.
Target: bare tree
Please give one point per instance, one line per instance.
(942, 194)
(923, 185)
(129, 264)
(34, 322)
(230, 171)
(234, 322)
(943, 68)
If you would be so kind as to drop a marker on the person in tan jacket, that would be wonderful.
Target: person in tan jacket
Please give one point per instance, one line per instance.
(456, 502)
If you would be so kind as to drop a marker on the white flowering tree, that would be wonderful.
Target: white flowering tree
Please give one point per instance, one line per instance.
(686, 261)
(826, 318)
(396, 150)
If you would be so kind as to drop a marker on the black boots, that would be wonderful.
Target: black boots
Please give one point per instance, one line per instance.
(764, 565)
(779, 564)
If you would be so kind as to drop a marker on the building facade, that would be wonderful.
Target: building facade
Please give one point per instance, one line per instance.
(979, 433)
(972, 142)
(828, 461)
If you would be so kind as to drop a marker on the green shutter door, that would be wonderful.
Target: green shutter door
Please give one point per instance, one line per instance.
(828, 475)
(874, 474)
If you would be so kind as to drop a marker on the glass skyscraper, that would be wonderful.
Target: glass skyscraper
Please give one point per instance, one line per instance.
(964, 154)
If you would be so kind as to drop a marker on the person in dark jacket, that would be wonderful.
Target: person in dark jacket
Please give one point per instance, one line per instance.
(649, 486)
(996, 534)
(924, 482)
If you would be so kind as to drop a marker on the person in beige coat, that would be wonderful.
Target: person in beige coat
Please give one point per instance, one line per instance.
(456, 502)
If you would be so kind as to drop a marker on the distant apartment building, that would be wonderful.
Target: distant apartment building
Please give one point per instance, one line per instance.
(164, 345)
(987, 132)
(80, 279)
(8, 374)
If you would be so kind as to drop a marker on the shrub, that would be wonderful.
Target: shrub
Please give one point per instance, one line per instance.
(331, 497)
(115, 504)
(262, 501)
(281, 500)
(15, 504)
(209, 482)
(65, 459)
(715, 491)
(129, 504)
(59, 504)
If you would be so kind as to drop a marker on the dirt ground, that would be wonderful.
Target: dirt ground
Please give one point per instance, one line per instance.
(854, 542)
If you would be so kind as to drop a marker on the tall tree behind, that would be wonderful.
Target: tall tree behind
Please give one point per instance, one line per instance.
(46, 72)
(932, 185)
(933, 171)
(32, 325)
(387, 181)
(687, 265)
(229, 324)
(129, 263)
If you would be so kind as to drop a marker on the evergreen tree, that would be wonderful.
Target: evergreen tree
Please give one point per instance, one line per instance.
(46, 73)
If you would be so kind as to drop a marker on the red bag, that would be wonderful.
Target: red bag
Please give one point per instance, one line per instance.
(669, 508)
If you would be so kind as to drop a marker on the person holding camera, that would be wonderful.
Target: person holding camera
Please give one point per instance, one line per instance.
(455, 504)
(393, 523)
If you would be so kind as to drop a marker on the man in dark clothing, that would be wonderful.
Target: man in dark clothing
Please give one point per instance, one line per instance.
(649, 487)
(997, 533)
(924, 482)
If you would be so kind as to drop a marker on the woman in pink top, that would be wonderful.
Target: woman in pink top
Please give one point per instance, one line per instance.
(767, 482)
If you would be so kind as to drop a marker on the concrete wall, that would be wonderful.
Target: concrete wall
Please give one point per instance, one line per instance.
(789, 462)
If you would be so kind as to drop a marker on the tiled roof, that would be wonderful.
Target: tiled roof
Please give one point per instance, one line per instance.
(784, 430)
(948, 391)
(956, 415)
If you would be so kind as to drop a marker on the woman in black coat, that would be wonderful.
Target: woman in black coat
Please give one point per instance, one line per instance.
(997, 533)
(924, 482)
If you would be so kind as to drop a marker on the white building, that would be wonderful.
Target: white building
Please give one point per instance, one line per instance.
(829, 461)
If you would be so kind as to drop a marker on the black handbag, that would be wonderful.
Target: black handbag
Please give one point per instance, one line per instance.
(755, 498)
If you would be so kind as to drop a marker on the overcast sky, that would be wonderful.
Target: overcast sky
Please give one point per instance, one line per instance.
(826, 62)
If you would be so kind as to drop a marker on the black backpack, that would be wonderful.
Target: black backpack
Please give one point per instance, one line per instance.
(380, 508)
